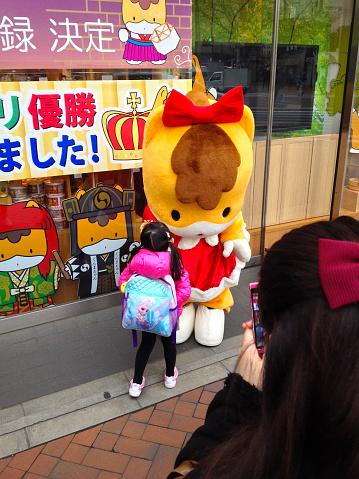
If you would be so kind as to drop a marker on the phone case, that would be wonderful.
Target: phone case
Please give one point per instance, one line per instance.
(258, 331)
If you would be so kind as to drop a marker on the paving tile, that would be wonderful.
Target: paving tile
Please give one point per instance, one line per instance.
(163, 462)
(35, 375)
(9, 366)
(69, 470)
(161, 435)
(104, 460)
(58, 447)
(43, 465)
(215, 387)
(7, 352)
(160, 418)
(185, 408)
(29, 475)
(206, 397)
(184, 423)
(168, 405)
(137, 468)
(201, 411)
(116, 425)
(26, 347)
(23, 460)
(105, 440)
(133, 429)
(142, 416)
(75, 453)
(87, 438)
(43, 330)
(110, 475)
(59, 368)
(12, 381)
(32, 360)
(135, 447)
(11, 473)
(4, 463)
(12, 397)
(192, 396)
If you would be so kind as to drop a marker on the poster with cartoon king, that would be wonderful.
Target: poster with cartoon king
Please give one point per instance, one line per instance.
(100, 236)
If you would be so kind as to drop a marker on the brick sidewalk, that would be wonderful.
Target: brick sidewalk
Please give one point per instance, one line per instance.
(142, 445)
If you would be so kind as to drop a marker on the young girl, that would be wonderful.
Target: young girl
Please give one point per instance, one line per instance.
(156, 257)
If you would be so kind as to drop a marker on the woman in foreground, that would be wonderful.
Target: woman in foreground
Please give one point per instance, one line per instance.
(294, 413)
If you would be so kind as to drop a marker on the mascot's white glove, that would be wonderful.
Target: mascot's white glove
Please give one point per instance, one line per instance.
(240, 248)
(123, 35)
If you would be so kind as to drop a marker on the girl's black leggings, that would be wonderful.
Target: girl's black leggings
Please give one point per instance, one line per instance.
(145, 349)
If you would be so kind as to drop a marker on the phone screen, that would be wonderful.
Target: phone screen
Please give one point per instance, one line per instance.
(258, 330)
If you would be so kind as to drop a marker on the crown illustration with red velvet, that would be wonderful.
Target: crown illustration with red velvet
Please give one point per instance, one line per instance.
(124, 130)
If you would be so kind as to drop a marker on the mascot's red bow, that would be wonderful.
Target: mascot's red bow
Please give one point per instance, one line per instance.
(180, 111)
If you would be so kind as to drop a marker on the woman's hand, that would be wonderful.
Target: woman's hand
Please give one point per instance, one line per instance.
(250, 363)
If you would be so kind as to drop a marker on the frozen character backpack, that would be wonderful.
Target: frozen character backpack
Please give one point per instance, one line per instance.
(150, 305)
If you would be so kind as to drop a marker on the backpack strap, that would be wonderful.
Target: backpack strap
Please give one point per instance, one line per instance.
(134, 338)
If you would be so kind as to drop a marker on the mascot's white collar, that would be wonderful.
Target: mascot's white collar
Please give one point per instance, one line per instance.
(192, 234)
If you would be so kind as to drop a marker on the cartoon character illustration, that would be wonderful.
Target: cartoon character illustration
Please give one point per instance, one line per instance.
(29, 274)
(197, 162)
(142, 311)
(101, 237)
(147, 35)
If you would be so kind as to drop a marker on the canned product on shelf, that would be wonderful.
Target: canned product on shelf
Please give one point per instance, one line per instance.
(54, 186)
(39, 198)
(55, 200)
(3, 189)
(56, 212)
(18, 200)
(61, 224)
(35, 187)
(18, 192)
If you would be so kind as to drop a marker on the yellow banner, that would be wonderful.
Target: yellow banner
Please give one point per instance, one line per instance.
(62, 128)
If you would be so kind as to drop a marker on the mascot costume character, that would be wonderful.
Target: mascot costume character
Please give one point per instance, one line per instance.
(197, 162)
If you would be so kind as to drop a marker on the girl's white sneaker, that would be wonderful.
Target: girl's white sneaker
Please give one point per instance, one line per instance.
(170, 381)
(136, 389)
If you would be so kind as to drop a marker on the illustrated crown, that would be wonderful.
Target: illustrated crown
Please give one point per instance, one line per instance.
(124, 129)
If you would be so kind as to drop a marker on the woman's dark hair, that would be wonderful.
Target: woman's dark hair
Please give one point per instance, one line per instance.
(309, 422)
(155, 236)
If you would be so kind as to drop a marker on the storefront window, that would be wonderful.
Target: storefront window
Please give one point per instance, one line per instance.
(74, 102)
(233, 43)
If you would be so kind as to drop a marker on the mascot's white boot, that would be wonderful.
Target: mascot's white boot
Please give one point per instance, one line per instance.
(186, 323)
(209, 326)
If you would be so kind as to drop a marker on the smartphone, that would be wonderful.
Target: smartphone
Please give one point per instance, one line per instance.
(258, 330)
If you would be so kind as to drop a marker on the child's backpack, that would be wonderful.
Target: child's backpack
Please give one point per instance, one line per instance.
(150, 305)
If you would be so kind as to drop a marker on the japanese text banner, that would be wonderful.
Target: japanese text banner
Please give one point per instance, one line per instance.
(61, 128)
(102, 34)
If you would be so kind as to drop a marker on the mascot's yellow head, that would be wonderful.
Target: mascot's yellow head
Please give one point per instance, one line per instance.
(197, 161)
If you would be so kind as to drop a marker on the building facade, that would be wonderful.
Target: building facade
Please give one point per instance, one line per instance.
(77, 84)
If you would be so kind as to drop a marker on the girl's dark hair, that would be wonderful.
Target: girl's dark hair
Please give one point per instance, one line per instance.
(309, 422)
(155, 236)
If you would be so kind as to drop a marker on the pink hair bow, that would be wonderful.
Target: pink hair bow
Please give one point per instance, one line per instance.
(339, 271)
(180, 111)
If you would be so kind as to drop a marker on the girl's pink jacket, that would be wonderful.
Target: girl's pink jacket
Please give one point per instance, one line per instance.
(155, 265)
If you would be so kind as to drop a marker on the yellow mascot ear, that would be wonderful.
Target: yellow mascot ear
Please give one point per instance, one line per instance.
(153, 125)
(32, 204)
(80, 193)
(247, 122)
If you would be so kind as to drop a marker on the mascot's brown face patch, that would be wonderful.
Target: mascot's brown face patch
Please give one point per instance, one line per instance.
(145, 4)
(206, 162)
